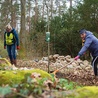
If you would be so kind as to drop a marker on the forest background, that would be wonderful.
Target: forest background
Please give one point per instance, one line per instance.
(33, 18)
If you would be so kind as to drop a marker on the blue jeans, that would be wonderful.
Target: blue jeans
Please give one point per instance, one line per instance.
(11, 51)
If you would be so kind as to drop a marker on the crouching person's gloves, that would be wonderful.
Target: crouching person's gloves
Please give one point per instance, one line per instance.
(18, 47)
(77, 57)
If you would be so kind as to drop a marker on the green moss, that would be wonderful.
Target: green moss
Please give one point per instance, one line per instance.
(85, 92)
(3, 52)
(4, 62)
(13, 77)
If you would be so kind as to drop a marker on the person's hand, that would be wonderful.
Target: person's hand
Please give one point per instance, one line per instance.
(77, 57)
(18, 47)
(4, 47)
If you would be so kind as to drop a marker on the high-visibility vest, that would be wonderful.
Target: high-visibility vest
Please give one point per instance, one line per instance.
(9, 39)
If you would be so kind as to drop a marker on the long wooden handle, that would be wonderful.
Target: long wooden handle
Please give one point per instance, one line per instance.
(62, 67)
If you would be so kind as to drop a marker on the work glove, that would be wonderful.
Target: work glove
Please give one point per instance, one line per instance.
(18, 47)
(77, 57)
(4, 47)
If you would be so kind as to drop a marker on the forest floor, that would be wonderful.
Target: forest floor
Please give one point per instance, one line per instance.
(82, 77)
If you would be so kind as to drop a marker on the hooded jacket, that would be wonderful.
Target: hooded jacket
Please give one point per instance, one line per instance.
(91, 44)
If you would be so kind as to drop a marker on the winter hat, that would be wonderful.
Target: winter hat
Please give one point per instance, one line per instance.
(82, 31)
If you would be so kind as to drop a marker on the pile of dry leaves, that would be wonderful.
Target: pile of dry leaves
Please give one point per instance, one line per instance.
(79, 71)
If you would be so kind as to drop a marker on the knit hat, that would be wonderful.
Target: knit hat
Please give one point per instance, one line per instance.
(82, 31)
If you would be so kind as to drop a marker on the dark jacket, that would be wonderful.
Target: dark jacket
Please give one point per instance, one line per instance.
(91, 44)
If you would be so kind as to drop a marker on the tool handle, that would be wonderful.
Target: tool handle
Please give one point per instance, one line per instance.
(55, 71)
(67, 65)
(62, 67)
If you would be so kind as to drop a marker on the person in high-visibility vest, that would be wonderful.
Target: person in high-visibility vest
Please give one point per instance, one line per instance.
(91, 44)
(11, 43)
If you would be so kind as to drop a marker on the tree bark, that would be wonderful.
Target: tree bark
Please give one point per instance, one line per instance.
(23, 27)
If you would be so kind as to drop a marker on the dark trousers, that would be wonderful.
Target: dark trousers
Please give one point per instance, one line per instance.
(95, 65)
(11, 51)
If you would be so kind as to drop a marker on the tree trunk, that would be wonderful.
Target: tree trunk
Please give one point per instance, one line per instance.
(23, 29)
(13, 15)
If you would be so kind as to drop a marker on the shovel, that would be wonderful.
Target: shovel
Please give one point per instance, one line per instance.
(62, 67)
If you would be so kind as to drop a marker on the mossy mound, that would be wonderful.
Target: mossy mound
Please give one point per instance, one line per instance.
(4, 63)
(14, 77)
(3, 52)
(85, 92)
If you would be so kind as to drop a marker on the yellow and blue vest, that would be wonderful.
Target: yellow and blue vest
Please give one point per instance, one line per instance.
(9, 38)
